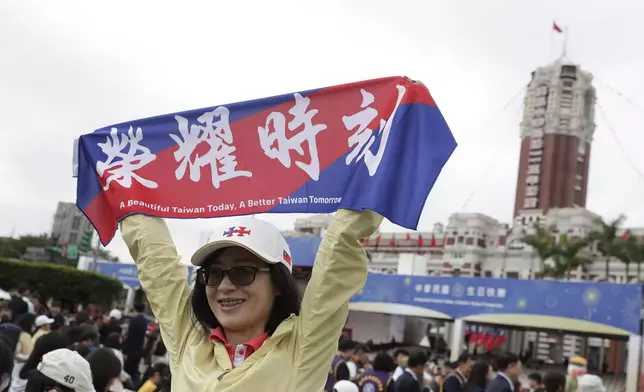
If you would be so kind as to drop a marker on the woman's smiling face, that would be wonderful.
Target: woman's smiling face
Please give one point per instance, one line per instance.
(240, 307)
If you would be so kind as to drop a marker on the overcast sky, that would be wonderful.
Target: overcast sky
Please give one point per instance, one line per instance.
(67, 68)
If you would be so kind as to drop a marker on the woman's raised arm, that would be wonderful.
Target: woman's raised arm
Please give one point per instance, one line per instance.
(163, 278)
(339, 272)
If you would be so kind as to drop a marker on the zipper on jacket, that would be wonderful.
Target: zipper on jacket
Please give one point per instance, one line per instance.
(223, 374)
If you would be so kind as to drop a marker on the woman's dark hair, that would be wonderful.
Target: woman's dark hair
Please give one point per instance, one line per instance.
(26, 322)
(6, 359)
(478, 377)
(113, 340)
(286, 302)
(105, 367)
(45, 344)
(383, 362)
(38, 382)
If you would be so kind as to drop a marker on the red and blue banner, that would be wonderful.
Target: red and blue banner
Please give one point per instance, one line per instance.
(378, 144)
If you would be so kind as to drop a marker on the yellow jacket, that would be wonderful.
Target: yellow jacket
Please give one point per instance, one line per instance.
(297, 357)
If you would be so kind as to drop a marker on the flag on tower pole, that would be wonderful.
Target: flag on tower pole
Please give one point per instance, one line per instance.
(556, 27)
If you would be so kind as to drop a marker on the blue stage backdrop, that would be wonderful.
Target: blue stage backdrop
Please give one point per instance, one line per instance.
(616, 305)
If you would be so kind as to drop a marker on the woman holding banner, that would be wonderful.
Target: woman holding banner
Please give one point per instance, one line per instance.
(241, 327)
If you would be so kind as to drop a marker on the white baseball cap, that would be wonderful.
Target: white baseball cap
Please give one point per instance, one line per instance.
(116, 314)
(67, 368)
(255, 235)
(345, 386)
(43, 320)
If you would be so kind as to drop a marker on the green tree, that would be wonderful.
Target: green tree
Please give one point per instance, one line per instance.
(567, 253)
(16, 247)
(609, 243)
(542, 242)
(632, 252)
(60, 282)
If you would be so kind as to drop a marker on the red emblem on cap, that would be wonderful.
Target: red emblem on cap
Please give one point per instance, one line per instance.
(287, 258)
(240, 231)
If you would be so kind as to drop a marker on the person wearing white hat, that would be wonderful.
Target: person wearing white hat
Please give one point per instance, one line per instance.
(345, 386)
(43, 326)
(253, 333)
(61, 370)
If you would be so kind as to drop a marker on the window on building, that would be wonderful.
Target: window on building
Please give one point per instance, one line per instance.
(73, 237)
(450, 240)
(567, 83)
(488, 273)
(580, 167)
(76, 223)
(480, 242)
(469, 241)
(460, 240)
(512, 275)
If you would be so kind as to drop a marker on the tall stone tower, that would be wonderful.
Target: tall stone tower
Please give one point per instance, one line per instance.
(556, 134)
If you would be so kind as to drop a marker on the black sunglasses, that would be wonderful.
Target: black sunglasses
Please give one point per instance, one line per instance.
(239, 276)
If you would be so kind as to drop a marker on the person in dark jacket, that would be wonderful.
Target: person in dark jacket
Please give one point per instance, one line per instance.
(379, 378)
(455, 380)
(134, 342)
(339, 369)
(412, 380)
(509, 370)
(480, 376)
(113, 325)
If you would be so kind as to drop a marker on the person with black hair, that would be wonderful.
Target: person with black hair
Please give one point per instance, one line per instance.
(508, 372)
(247, 303)
(401, 356)
(378, 378)
(113, 325)
(455, 381)
(480, 376)
(554, 382)
(134, 342)
(106, 368)
(412, 380)
(535, 382)
(5, 312)
(155, 377)
(339, 369)
(55, 312)
(46, 344)
(6, 365)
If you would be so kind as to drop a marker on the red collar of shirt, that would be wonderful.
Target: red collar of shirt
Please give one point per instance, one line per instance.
(252, 345)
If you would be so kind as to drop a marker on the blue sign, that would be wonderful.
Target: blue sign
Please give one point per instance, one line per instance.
(303, 250)
(125, 273)
(615, 305)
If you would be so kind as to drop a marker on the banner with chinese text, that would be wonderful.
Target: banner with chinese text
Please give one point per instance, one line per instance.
(378, 145)
(612, 304)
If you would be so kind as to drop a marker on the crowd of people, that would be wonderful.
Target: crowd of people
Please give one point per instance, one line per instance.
(242, 325)
(416, 370)
(43, 349)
